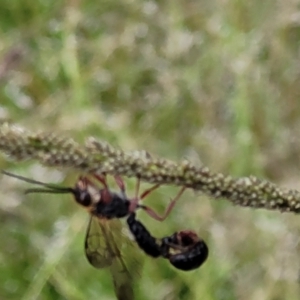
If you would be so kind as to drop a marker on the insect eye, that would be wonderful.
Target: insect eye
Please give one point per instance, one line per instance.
(84, 198)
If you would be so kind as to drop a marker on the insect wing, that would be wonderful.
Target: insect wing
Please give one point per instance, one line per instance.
(97, 248)
(107, 245)
(127, 265)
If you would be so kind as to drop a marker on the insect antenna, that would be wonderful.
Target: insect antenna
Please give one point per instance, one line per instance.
(49, 188)
(49, 191)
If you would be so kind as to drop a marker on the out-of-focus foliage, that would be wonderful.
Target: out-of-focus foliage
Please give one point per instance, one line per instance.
(216, 82)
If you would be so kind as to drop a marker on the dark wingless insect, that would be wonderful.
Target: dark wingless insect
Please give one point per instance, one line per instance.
(184, 249)
(104, 237)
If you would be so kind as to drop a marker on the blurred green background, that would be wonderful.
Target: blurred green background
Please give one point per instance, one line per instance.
(216, 82)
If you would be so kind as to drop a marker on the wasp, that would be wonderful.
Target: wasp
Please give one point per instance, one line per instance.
(184, 249)
(105, 244)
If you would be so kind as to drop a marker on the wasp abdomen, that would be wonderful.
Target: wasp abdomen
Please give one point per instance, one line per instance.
(191, 259)
(185, 250)
(143, 238)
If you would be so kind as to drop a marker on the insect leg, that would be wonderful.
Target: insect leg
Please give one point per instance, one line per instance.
(137, 198)
(101, 178)
(120, 184)
(169, 208)
(105, 192)
(148, 191)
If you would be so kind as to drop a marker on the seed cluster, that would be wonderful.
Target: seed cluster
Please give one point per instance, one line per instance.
(96, 156)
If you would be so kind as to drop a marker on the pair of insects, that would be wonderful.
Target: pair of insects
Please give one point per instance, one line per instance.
(183, 249)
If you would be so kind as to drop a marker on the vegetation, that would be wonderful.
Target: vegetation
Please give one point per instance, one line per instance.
(211, 81)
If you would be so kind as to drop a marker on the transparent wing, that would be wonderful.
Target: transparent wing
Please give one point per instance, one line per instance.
(107, 244)
(97, 249)
(127, 265)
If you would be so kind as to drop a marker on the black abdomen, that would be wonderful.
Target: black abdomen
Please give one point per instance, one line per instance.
(192, 259)
(143, 238)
